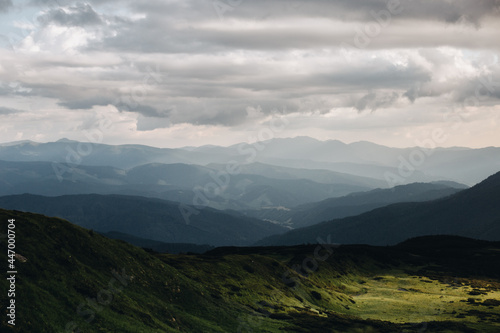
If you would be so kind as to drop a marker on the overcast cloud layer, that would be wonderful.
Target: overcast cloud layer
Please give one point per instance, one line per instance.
(173, 73)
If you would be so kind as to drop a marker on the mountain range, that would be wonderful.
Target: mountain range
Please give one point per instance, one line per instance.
(294, 235)
(241, 196)
(187, 183)
(164, 225)
(148, 218)
(473, 212)
(369, 160)
(355, 203)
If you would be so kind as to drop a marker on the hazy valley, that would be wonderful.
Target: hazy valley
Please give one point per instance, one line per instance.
(269, 242)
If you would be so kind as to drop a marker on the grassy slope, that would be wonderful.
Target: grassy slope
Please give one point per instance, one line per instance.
(356, 289)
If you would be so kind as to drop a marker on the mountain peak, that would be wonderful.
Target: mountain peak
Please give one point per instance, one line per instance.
(65, 140)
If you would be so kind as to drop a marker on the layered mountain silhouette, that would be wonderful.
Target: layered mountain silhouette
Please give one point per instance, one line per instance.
(416, 164)
(356, 203)
(280, 182)
(187, 183)
(85, 274)
(473, 212)
(148, 218)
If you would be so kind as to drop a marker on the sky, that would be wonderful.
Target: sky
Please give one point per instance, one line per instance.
(175, 73)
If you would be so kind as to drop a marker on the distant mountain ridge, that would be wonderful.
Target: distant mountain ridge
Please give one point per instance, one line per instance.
(317, 175)
(473, 212)
(464, 165)
(190, 184)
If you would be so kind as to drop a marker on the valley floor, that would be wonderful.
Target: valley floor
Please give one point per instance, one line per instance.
(357, 288)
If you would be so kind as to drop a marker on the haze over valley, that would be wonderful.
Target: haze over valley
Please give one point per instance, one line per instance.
(261, 206)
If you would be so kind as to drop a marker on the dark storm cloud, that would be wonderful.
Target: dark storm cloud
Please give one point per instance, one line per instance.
(86, 103)
(173, 27)
(5, 5)
(212, 67)
(69, 94)
(473, 92)
(145, 110)
(440, 10)
(455, 11)
(483, 88)
(373, 101)
(78, 15)
(5, 110)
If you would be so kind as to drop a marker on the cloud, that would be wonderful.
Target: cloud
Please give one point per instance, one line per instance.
(462, 78)
(79, 15)
(455, 11)
(207, 90)
(373, 101)
(195, 27)
(167, 64)
(5, 5)
(5, 110)
(86, 103)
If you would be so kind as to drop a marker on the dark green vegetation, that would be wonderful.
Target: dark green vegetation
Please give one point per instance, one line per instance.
(157, 246)
(473, 212)
(430, 284)
(148, 218)
(356, 203)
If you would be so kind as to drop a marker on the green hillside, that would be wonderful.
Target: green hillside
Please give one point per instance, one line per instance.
(70, 277)
(157, 246)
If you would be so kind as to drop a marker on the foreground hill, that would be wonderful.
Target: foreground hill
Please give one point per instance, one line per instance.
(356, 203)
(474, 212)
(149, 218)
(72, 279)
